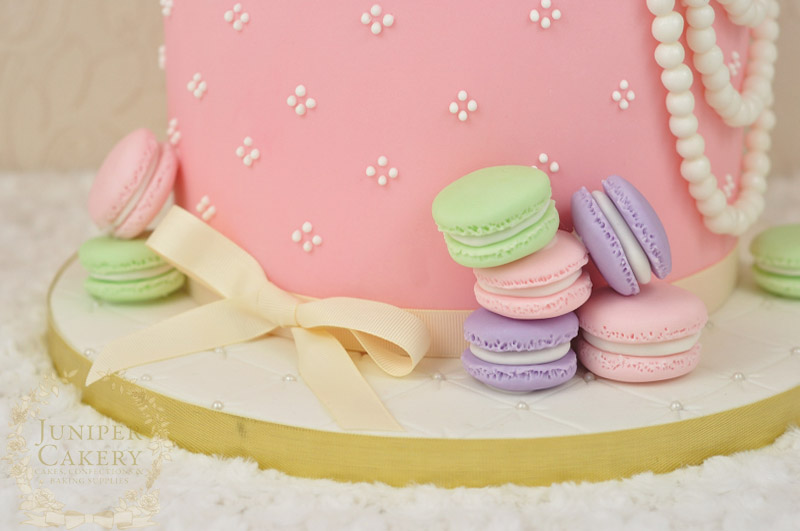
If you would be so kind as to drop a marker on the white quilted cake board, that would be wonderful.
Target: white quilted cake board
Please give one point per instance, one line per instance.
(751, 351)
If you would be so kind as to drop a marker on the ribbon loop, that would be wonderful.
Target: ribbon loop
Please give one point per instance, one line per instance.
(252, 306)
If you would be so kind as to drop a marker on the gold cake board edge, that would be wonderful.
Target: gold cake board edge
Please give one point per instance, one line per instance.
(400, 461)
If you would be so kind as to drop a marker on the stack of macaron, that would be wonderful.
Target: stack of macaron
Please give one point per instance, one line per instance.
(633, 330)
(131, 187)
(502, 222)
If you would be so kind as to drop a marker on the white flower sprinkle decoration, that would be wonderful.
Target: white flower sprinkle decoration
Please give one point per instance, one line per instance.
(166, 7)
(382, 170)
(462, 107)
(624, 96)
(236, 17)
(546, 16)
(197, 86)
(173, 133)
(547, 164)
(729, 187)
(735, 65)
(374, 21)
(206, 209)
(300, 102)
(306, 238)
(247, 152)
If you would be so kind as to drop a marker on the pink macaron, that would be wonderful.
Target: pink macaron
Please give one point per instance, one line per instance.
(545, 284)
(652, 336)
(132, 184)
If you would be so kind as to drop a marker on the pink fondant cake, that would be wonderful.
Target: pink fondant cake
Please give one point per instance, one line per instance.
(315, 134)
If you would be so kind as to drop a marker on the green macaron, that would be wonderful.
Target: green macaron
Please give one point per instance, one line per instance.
(776, 254)
(496, 215)
(126, 271)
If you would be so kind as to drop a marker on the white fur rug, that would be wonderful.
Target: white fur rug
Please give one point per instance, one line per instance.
(43, 220)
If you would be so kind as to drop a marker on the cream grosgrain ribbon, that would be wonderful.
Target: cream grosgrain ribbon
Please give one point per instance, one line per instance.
(252, 306)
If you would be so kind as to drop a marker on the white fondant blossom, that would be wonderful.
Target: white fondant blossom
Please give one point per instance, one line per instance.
(306, 238)
(237, 17)
(546, 16)
(173, 133)
(300, 100)
(735, 65)
(462, 107)
(624, 96)
(374, 20)
(166, 7)
(197, 86)
(247, 152)
(383, 172)
(205, 208)
(547, 165)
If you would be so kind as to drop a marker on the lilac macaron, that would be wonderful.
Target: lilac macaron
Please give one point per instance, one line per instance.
(519, 356)
(623, 234)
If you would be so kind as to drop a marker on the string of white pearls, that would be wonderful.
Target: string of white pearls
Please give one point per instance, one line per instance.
(753, 108)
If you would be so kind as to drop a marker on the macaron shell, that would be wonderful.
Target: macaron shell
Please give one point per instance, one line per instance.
(521, 378)
(547, 307)
(518, 246)
(781, 285)
(105, 255)
(500, 334)
(661, 312)
(154, 197)
(490, 200)
(643, 221)
(120, 175)
(560, 258)
(137, 290)
(602, 243)
(633, 369)
(778, 247)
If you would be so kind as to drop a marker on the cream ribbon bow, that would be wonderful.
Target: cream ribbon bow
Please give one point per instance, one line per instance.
(251, 306)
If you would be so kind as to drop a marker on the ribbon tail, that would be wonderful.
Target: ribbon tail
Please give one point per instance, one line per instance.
(220, 323)
(330, 373)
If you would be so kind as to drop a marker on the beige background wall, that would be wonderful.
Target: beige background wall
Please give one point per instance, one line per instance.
(75, 75)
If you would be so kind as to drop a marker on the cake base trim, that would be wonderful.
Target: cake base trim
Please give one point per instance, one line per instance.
(444, 462)
(527, 450)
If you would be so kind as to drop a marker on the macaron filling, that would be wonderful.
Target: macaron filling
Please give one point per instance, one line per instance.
(528, 357)
(150, 272)
(501, 235)
(534, 291)
(643, 220)
(134, 199)
(777, 270)
(661, 348)
(636, 256)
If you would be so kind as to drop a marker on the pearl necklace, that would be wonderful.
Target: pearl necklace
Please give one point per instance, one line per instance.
(750, 108)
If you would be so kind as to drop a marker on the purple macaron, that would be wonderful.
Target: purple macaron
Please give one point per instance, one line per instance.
(623, 234)
(519, 355)
(643, 222)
